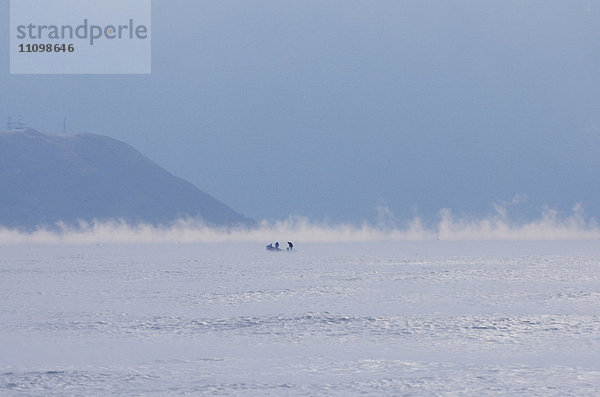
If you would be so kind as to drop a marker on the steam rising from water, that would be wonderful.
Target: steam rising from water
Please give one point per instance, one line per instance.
(550, 226)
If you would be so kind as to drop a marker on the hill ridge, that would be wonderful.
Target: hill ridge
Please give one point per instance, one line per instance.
(51, 178)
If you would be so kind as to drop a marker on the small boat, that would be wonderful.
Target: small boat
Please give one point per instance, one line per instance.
(270, 247)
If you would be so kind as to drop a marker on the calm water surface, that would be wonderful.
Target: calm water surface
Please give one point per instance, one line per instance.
(428, 318)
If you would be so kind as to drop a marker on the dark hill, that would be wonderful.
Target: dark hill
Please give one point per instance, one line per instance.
(46, 178)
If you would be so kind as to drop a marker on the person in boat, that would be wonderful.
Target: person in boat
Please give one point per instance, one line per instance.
(290, 246)
(277, 245)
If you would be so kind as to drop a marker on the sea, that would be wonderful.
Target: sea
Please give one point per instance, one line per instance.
(422, 318)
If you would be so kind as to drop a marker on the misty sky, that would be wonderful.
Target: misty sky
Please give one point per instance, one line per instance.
(331, 109)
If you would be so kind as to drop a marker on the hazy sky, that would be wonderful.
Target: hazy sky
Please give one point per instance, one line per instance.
(330, 109)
